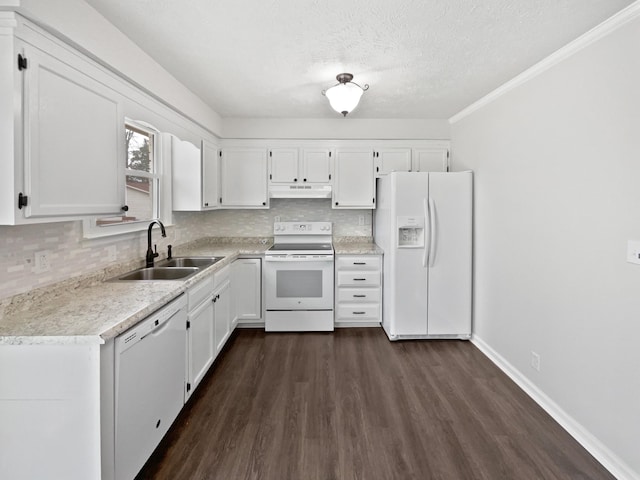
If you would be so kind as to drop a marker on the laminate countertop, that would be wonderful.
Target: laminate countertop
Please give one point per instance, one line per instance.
(92, 310)
(357, 248)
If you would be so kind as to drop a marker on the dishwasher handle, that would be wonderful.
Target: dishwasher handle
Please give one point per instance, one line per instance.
(160, 325)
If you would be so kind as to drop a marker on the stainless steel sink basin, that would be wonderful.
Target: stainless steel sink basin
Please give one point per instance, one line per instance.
(160, 273)
(200, 262)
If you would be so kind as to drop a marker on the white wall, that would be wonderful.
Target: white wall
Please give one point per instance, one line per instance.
(557, 196)
(338, 128)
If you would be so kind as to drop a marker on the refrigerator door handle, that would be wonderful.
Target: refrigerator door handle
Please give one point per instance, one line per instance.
(432, 231)
(427, 245)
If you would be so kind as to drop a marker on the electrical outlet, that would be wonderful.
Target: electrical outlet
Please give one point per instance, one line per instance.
(42, 261)
(111, 253)
(633, 251)
(360, 220)
(535, 361)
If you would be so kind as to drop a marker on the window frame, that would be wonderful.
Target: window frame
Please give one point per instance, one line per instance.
(91, 229)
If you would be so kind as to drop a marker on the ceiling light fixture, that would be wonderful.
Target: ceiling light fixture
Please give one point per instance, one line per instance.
(345, 95)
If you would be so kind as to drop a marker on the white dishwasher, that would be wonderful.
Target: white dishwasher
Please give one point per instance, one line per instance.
(150, 365)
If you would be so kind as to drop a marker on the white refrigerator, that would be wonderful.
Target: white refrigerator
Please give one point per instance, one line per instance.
(423, 222)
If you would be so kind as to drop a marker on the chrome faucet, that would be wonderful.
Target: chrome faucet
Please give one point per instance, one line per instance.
(151, 254)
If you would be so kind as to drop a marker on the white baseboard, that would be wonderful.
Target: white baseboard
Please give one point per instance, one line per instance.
(605, 456)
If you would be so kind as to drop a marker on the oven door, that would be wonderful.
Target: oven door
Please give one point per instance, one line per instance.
(298, 282)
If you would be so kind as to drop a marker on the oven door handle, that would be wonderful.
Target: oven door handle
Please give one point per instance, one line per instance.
(298, 259)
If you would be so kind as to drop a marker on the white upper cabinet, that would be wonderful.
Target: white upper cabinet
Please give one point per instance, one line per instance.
(210, 175)
(307, 165)
(74, 140)
(316, 165)
(354, 182)
(195, 175)
(432, 159)
(69, 140)
(244, 177)
(283, 166)
(392, 160)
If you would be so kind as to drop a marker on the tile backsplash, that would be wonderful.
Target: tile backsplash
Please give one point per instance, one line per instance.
(70, 254)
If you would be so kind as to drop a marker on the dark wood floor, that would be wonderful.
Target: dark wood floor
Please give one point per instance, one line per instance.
(352, 405)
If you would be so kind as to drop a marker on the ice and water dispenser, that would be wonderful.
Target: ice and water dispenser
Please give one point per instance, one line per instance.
(410, 232)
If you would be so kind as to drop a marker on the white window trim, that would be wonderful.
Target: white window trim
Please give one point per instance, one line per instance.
(89, 227)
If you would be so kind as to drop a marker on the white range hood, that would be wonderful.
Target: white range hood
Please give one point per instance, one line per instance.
(300, 191)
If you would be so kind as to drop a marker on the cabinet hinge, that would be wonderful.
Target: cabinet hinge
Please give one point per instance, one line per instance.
(188, 324)
(220, 153)
(22, 62)
(220, 199)
(23, 200)
(270, 153)
(329, 176)
(329, 154)
(374, 201)
(188, 387)
(270, 177)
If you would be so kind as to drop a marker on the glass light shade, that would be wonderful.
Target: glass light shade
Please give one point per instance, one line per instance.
(344, 97)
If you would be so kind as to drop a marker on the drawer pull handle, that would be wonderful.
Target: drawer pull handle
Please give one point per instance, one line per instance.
(359, 263)
(359, 279)
(358, 313)
(359, 296)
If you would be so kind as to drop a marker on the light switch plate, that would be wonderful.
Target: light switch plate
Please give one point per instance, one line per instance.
(633, 251)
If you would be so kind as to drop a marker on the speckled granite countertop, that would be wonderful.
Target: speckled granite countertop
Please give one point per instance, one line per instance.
(89, 310)
(357, 248)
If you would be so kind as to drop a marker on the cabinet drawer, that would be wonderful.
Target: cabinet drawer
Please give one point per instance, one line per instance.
(362, 262)
(199, 292)
(358, 279)
(359, 312)
(358, 295)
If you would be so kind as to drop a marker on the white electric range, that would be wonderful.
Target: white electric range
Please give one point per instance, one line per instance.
(298, 277)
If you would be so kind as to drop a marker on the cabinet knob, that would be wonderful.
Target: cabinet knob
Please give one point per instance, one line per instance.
(336, 203)
(264, 203)
(125, 208)
(304, 179)
(295, 179)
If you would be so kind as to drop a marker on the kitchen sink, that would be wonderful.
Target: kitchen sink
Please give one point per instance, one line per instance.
(180, 262)
(159, 273)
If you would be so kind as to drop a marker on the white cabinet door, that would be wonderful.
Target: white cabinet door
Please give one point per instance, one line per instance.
(73, 140)
(222, 315)
(194, 175)
(284, 165)
(393, 160)
(210, 175)
(244, 177)
(354, 182)
(186, 191)
(201, 342)
(246, 290)
(434, 159)
(316, 165)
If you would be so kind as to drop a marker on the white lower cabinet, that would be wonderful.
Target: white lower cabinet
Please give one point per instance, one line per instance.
(208, 326)
(358, 290)
(246, 291)
(222, 309)
(201, 349)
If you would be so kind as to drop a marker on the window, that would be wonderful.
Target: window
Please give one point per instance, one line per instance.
(142, 185)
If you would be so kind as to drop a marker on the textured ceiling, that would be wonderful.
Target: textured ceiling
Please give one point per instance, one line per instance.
(421, 58)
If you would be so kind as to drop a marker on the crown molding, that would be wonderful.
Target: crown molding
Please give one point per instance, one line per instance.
(607, 27)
